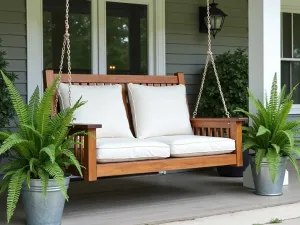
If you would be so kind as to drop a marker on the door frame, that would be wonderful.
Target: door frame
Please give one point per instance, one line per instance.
(156, 46)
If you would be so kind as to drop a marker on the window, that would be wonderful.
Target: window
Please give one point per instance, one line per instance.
(80, 33)
(290, 52)
(127, 38)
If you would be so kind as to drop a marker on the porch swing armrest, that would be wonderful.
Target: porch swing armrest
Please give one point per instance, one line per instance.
(224, 127)
(84, 127)
(89, 157)
(214, 122)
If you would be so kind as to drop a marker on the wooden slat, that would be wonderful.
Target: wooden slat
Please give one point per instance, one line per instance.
(204, 133)
(209, 132)
(90, 163)
(76, 152)
(236, 134)
(82, 149)
(120, 79)
(216, 132)
(222, 132)
(149, 166)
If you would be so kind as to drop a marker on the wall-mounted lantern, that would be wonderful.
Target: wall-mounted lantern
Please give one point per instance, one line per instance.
(217, 17)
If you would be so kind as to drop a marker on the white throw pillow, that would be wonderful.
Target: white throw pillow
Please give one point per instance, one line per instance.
(159, 111)
(104, 106)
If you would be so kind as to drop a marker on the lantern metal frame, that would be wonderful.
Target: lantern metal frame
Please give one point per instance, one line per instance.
(214, 12)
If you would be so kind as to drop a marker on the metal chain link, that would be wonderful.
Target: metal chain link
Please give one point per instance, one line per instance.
(209, 56)
(66, 44)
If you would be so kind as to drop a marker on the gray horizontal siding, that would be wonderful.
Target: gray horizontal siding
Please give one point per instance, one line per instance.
(13, 35)
(186, 47)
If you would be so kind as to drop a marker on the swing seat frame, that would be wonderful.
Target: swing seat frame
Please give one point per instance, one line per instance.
(86, 153)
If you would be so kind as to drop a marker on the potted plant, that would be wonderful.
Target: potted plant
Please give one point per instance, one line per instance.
(233, 73)
(41, 156)
(271, 138)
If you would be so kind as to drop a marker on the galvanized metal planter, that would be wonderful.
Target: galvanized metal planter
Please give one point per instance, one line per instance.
(40, 210)
(263, 181)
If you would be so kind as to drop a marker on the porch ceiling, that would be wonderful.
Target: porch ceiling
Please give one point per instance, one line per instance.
(158, 198)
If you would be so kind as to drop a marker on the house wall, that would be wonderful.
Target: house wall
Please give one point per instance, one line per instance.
(186, 47)
(13, 35)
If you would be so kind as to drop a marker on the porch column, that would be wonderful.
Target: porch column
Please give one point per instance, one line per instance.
(264, 54)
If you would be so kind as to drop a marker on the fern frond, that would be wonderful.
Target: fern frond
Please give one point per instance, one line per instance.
(273, 160)
(45, 108)
(4, 185)
(14, 189)
(249, 143)
(276, 147)
(56, 172)
(255, 119)
(4, 135)
(13, 140)
(50, 151)
(290, 95)
(14, 165)
(72, 157)
(33, 106)
(32, 164)
(261, 110)
(28, 177)
(44, 180)
(17, 101)
(260, 154)
(291, 125)
(282, 94)
(294, 163)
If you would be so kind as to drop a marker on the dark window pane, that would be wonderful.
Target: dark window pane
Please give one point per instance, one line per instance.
(127, 38)
(80, 34)
(285, 74)
(296, 30)
(287, 35)
(290, 76)
(296, 80)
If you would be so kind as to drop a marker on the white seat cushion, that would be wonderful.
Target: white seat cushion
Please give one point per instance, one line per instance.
(130, 149)
(104, 106)
(159, 111)
(192, 145)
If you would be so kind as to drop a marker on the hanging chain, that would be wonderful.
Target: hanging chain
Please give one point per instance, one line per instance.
(209, 56)
(66, 44)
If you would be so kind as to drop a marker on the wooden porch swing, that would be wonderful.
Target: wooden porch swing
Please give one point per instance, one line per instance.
(214, 127)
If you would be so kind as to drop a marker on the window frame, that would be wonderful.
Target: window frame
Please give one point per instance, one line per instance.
(295, 110)
(156, 39)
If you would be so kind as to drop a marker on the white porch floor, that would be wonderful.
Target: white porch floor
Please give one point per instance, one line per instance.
(155, 198)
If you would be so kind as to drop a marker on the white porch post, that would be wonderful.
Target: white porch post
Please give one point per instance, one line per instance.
(264, 53)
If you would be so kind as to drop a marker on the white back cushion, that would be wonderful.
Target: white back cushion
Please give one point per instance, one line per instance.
(104, 106)
(159, 111)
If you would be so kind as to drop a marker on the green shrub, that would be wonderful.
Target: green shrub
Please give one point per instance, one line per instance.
(6, 108)
(233, 75)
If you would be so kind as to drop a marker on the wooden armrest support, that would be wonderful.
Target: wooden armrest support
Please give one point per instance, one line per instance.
(90, 162)
(233, 125)
(214, 122)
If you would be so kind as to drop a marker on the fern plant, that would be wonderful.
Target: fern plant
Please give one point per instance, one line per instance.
(271, 135)
(41, 145)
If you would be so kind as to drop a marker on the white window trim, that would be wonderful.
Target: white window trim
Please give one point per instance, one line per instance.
(157, 43)
(156, 37)
(295, 110)
(34, 46)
